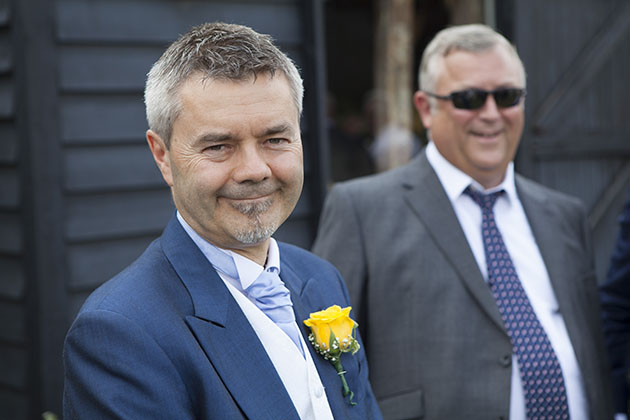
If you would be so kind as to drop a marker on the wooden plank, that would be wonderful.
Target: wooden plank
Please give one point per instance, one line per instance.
(9, 188)
(13, 279)
(102, 118)
(13, 365)
(117, 215)
(580, 145)
(7, 98)
(297, 231)
(111, 168)
(8, 142)
(98, 68)
(11, 240)
(91, 264)
(120, 68)
(14, 404)
(118, 20)
(6, 52)
(585, 66)
(5, 13)
(13, 329)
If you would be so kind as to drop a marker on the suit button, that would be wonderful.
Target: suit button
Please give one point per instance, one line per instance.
(506, 360)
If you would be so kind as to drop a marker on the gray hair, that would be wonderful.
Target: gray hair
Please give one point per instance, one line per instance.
(472, 38)
(219, 51)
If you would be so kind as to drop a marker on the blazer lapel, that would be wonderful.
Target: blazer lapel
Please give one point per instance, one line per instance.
(429, 202)
(224, 333)
(307, 297)
(542, 221)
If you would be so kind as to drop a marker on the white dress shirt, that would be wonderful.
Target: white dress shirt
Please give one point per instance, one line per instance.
(297, 371)
(521, 244)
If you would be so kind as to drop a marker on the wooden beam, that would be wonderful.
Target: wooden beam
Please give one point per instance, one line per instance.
(393, 72)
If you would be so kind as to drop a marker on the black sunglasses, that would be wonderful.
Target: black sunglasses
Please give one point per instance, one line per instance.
(476, 98)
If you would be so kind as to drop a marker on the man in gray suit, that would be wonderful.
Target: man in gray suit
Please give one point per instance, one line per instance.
(460, 321)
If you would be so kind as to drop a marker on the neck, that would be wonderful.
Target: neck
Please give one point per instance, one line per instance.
(256, 253)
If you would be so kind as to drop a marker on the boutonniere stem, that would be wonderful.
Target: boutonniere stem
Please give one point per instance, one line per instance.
(332, 334)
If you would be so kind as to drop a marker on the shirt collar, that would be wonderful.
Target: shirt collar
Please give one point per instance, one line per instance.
(240, 268)
(454, 181)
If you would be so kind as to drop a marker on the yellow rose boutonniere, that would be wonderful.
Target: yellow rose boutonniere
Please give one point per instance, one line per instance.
(332, 333)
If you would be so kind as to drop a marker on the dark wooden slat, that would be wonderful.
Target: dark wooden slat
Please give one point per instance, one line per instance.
(111, 167)
(581, 145)
(8, 143)
(9, 188)
(10, 233)
(13, 327)
(120, 68)
(118, 20)
(5, 13)
(612, 32)
(7, 99)
(91, 264)
(14, 404)
(6, 58)
(116, 215)
(97, 119)
(12, 280)
(296, 231)
(13, 366)
(99, 68)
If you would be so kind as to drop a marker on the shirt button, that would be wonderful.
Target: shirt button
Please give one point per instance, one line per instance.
(319, 391)
(506, 360)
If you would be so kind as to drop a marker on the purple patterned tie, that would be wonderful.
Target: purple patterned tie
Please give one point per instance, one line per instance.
(543, 384)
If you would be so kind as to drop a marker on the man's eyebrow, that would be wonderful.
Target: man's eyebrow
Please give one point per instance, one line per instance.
(277, 129)
(212, 138)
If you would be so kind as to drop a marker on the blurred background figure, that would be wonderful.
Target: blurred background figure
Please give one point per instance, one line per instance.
(615, 295)
(473, 285)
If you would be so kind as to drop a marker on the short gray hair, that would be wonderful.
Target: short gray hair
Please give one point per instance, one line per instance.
(472, 38)
(219, 51)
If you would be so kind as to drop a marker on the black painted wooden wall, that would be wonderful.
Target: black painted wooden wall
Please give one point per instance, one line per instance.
(576, 138)
(80, 196)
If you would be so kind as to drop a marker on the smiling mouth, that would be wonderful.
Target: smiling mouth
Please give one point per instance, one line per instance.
(486, 135)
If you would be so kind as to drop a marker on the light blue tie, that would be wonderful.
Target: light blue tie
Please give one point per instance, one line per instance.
(541, 374)
(268, 293)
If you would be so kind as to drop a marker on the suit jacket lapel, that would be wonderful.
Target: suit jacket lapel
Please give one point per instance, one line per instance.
(306, 299)
(224, 333)
(429, 202)
(542, 221)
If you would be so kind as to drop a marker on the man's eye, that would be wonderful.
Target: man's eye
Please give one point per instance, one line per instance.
(277, 140)
(216, 148)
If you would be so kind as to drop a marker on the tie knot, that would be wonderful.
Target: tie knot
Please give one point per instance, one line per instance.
(485, 201)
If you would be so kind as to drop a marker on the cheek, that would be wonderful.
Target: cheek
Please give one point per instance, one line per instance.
(288, 167)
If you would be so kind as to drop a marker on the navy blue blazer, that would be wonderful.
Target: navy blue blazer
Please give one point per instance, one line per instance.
(615, 296)
(165, 339)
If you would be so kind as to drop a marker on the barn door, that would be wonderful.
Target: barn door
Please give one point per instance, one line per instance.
(576, 139)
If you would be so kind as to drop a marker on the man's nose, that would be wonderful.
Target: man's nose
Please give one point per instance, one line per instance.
(489, 108)
(252, 165)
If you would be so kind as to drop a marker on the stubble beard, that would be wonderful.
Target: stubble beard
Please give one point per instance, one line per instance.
(256, 231)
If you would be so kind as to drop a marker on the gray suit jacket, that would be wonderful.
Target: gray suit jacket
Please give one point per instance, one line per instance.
(435, 341)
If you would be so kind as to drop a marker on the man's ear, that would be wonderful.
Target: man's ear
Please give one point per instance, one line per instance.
(423, 106)
(161, 155)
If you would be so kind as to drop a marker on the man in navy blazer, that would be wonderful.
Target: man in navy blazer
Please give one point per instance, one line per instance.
(175, 335)
(615, 295)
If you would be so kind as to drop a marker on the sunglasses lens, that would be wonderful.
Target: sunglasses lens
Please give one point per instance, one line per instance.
(505, 98)
(469, 98)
